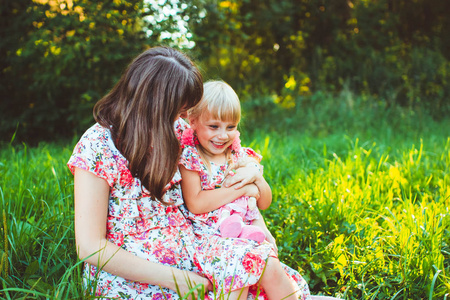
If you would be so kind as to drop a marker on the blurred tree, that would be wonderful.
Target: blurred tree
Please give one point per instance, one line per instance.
(288, 48)
(266, 42)
(251, 44)
(58, 57)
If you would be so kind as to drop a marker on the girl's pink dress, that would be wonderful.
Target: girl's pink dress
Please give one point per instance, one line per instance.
(205, 225)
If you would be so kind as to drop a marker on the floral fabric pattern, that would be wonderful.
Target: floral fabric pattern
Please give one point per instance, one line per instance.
(135, 221)
(191, 160)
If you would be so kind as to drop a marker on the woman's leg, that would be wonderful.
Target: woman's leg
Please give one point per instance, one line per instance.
(276, 283)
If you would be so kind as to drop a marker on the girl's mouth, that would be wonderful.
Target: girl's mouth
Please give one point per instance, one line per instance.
(218, 145)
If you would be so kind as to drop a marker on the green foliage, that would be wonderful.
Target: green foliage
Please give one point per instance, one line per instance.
(377, 57)
(362, 210)
(369, 224)
(37, 219)
(58, 58)
(394, 50)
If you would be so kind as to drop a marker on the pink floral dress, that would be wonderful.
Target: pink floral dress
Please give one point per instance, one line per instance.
(135, 222)
(205, 225)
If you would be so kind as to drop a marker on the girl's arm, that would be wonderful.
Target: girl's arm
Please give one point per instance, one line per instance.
(91, 207)
(200, 201)
(250, 171)
(246, 171)
(264, 190)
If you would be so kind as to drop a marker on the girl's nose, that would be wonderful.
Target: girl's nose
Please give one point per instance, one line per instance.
(223, 135)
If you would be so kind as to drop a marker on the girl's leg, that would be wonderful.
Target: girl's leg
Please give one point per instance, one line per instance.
(236, 295)
(276, 283)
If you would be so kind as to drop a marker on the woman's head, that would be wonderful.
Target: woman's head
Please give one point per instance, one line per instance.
(154, 88)
(220, 101)
(141, 110)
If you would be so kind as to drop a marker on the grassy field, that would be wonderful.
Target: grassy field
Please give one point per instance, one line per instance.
(361, 204)
(361, 219)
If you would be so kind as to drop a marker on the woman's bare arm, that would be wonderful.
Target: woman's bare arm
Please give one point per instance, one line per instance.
(91, 207)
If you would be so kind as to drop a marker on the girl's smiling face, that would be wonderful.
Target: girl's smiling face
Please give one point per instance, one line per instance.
(215, 136)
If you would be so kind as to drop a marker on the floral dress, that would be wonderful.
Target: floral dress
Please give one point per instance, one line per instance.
(158, 233)
(205, 225)
(135, 222)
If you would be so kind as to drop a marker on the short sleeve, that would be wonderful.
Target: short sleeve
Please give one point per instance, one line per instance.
(191, 160)
(179, 126)
(93, 153)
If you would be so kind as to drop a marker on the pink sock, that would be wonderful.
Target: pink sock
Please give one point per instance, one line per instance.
(231, 226)
(253, 232)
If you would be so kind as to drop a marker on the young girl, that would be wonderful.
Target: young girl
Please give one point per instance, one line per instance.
(207, 155)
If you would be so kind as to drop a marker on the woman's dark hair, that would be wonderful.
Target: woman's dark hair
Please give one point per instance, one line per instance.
(141, 110)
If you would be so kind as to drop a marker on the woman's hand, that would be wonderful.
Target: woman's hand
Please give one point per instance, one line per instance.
(185, 281)
(243, 174)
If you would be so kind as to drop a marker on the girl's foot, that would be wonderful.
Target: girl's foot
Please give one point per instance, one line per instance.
(253, 232)
(231, 226)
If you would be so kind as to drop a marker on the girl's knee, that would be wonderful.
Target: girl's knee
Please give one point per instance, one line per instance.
(272, 271)
(276, 282)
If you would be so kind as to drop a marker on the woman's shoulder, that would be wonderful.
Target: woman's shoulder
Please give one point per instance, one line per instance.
(97, 137)
(96, 142)
(96, 132)
(95, 152)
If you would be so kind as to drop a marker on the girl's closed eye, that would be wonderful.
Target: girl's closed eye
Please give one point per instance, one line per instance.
(213, 126)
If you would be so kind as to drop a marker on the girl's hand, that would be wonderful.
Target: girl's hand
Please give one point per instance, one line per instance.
(252, 191)
(186, 281)
(242, 175)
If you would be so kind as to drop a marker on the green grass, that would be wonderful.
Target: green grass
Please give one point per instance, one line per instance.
(36, 207)
(368, 223)
(361, 204)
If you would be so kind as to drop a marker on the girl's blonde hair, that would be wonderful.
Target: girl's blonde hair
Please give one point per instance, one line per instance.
(220, 100)
(222, 103)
